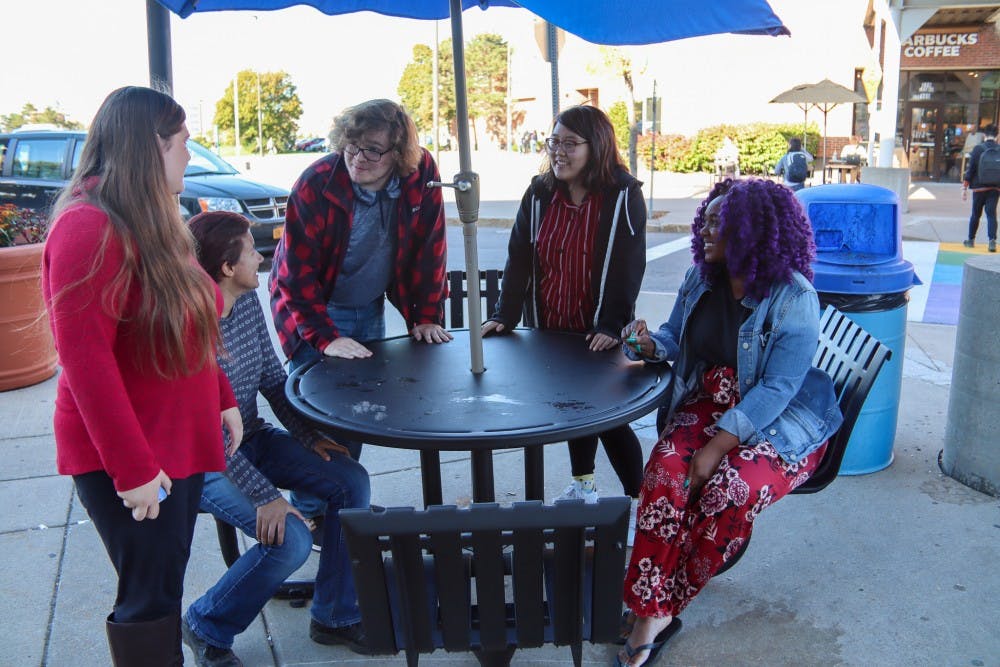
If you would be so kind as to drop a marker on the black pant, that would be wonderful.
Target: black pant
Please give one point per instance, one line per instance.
(623, 450)
(984, 199)
(149, 556)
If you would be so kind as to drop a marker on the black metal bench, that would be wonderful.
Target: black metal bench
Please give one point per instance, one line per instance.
(490, 578)
(852, 358)
(458, 292)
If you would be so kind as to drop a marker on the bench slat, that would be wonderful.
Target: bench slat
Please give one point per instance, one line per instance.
(415, 608)
(608, 582)
(488, 571)
(450, 564)
(376, 613)
(529, 602)
(567, 575)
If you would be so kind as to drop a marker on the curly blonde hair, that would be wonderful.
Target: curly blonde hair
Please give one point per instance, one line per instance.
(374, 116)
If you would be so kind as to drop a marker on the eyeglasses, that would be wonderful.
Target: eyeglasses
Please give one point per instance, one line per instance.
(370, 154)
(568, 145)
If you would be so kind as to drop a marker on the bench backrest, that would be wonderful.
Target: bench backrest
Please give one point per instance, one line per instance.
(489, 578)
(489, 289)
(852, 358)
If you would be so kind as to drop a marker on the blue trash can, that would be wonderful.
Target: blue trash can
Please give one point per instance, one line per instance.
(860, 270)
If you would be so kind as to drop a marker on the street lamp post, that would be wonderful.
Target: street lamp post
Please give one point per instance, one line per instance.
(260, 121)
(236, 111)
(510, 137)
(434, 85)
(652, 150)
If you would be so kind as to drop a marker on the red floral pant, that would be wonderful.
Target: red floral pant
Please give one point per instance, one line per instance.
(679, 548)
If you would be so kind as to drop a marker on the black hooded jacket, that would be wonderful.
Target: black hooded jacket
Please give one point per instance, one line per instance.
(619, 257)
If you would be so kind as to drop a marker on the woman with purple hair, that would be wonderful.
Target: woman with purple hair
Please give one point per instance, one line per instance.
(748, 417)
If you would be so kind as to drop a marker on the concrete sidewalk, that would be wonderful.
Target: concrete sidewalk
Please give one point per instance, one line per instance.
(893, 568)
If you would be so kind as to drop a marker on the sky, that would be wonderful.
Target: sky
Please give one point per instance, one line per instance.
(71, 53)
(82, 50)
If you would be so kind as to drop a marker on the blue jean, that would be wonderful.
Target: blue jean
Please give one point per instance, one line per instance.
(984, 200)
(230, 606)
(362, 323)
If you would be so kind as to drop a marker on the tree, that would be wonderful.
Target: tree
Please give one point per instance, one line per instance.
(616, 61)
(486, 84)
(618, 113)
(280, 108)
(416, 90)
(30, 115)
(486, 74)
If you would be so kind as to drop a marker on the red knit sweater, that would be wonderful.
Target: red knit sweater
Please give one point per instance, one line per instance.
(111, 414)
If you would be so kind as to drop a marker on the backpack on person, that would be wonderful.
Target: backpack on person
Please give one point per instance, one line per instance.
(988, 169)
(798, 167)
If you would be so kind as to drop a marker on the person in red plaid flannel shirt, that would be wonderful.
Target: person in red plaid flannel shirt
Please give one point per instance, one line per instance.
(361, 226)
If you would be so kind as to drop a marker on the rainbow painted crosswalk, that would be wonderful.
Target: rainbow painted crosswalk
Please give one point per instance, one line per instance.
(939, 267)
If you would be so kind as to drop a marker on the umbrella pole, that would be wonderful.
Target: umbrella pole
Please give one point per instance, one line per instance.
(824, 144)
(466, 185)
(805, 125)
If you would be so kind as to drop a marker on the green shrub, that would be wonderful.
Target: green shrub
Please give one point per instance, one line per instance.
(761, 145)
(670, 150)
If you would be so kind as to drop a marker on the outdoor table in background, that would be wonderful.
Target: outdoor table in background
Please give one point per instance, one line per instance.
(539, 387)
(845, 172)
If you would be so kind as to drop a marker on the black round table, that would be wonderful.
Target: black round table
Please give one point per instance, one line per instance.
(539, 387)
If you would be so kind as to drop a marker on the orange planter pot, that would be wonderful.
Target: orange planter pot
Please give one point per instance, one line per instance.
(27, 355)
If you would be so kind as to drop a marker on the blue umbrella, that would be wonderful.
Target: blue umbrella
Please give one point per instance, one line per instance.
(599, 21)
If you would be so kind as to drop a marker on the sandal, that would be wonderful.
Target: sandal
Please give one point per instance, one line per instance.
(653, 647)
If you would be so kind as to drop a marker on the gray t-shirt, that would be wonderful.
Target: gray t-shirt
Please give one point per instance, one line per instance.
(367, 269)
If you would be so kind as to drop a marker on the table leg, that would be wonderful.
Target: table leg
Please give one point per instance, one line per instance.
(482, 476)
(534, 473)
(430, 476)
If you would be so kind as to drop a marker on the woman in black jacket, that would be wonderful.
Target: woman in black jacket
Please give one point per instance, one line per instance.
(575, 262)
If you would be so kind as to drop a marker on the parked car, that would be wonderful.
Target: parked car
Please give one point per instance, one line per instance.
(311, 145)
(321, 145)
(35, 166)
(212, 184)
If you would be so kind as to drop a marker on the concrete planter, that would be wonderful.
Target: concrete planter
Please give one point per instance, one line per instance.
(27, 354)
(896, 179)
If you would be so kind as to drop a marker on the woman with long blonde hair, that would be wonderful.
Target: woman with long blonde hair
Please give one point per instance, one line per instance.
(138, 403)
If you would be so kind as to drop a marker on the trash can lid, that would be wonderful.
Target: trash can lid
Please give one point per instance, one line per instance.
(853, 224)
(840, 193)
(877, 278)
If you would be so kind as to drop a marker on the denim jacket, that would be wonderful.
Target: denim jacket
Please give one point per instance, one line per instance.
(783, 398)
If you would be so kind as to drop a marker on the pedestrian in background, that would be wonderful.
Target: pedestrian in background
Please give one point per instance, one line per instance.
(135, 321)
(575, 261)
(982, 176)
(795, 165)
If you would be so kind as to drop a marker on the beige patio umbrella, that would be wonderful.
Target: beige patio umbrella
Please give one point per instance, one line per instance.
(824, 95)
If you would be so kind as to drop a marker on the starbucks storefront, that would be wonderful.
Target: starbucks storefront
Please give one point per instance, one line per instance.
(949, 85)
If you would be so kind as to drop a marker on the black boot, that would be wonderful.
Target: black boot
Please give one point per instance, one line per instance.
(146, 644)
